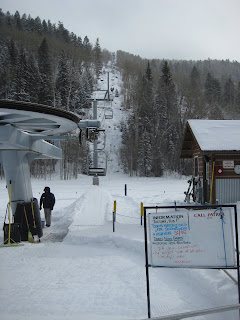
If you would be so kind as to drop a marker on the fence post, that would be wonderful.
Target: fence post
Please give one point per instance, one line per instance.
(141, 212)
(114, 218)
(114, 214)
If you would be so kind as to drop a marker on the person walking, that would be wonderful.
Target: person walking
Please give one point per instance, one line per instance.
(47, 200)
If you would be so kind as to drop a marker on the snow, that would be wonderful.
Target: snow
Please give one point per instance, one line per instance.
(216, 134)
(81, 269)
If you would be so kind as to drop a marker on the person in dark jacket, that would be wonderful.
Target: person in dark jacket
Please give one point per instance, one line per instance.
(48, 201)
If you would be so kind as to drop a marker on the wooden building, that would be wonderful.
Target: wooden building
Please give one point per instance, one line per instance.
(214, 146)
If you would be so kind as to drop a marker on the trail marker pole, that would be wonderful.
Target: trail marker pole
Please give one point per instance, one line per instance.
(114, 214)
(114, 218)
(141, 212)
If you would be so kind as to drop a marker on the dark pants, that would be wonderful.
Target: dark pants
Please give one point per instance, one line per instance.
(47, 213)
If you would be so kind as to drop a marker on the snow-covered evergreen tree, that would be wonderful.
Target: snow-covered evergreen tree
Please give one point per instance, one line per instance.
(63, 83)
(45, 69)
(97, 57)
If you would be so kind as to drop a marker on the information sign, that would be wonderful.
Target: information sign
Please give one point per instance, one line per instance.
(228, 164)
(192, 238)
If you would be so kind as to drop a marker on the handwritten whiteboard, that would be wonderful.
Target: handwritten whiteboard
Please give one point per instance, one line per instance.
(192, 238)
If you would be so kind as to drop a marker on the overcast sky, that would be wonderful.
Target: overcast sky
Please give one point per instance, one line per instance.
(169, 29)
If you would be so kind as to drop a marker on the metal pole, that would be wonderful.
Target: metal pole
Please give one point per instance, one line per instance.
(141, 212)
(95, 154)
(114, 214)
(113, 221)
(108, 87)
(237, 249)
(146, 261)
(94, 109)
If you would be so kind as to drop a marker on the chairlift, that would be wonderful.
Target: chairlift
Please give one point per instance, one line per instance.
(108, 114)
(101, 168)
(96, 171)
(102, 142)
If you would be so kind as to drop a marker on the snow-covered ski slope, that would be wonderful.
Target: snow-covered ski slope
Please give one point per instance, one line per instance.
(111, 126)
(81, 269)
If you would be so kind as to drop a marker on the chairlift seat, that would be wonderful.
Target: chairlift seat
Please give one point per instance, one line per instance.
(97, 171)
(108, 113)
(108, 116)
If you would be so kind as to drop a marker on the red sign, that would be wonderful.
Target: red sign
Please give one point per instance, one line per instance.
(219, 171)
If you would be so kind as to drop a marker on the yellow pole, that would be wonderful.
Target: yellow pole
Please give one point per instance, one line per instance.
(115, 206)
(34, 224)
(212, 182)
(141, 209)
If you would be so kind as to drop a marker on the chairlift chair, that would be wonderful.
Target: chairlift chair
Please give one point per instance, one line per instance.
(108, 114)
(99, 170)
(96, 171)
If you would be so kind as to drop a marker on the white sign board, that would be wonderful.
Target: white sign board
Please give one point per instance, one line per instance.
(228, 164)
(192, 238)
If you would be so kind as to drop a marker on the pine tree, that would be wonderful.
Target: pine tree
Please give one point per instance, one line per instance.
(62, 33)
(11, 72)
(21, 90)
(45, 69)
(212, 90)
(34, 80)
(229, 93)
(87, 47)
(194, 78)
(97, 52)
(2, 18)
(169, 118)
(63, 82)
(17, 21)
(77, 96)
(144, 163)
(9, 19)
(146, 99)
(168, 90)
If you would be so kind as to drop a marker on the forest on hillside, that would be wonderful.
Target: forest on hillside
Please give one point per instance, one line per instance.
(45, 63)
(163, 95)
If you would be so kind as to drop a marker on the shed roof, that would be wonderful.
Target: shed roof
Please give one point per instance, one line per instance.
(212, 135)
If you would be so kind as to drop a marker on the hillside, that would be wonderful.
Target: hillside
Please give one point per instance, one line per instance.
(48, 64)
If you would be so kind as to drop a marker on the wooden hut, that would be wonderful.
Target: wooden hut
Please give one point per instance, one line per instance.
(214, 146)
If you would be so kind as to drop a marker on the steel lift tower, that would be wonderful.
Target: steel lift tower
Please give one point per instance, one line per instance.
(24, 129)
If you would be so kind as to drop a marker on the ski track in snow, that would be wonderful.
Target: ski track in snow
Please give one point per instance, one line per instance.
(81, 269)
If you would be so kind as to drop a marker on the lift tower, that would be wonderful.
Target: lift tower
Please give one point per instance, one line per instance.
(24, 129)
